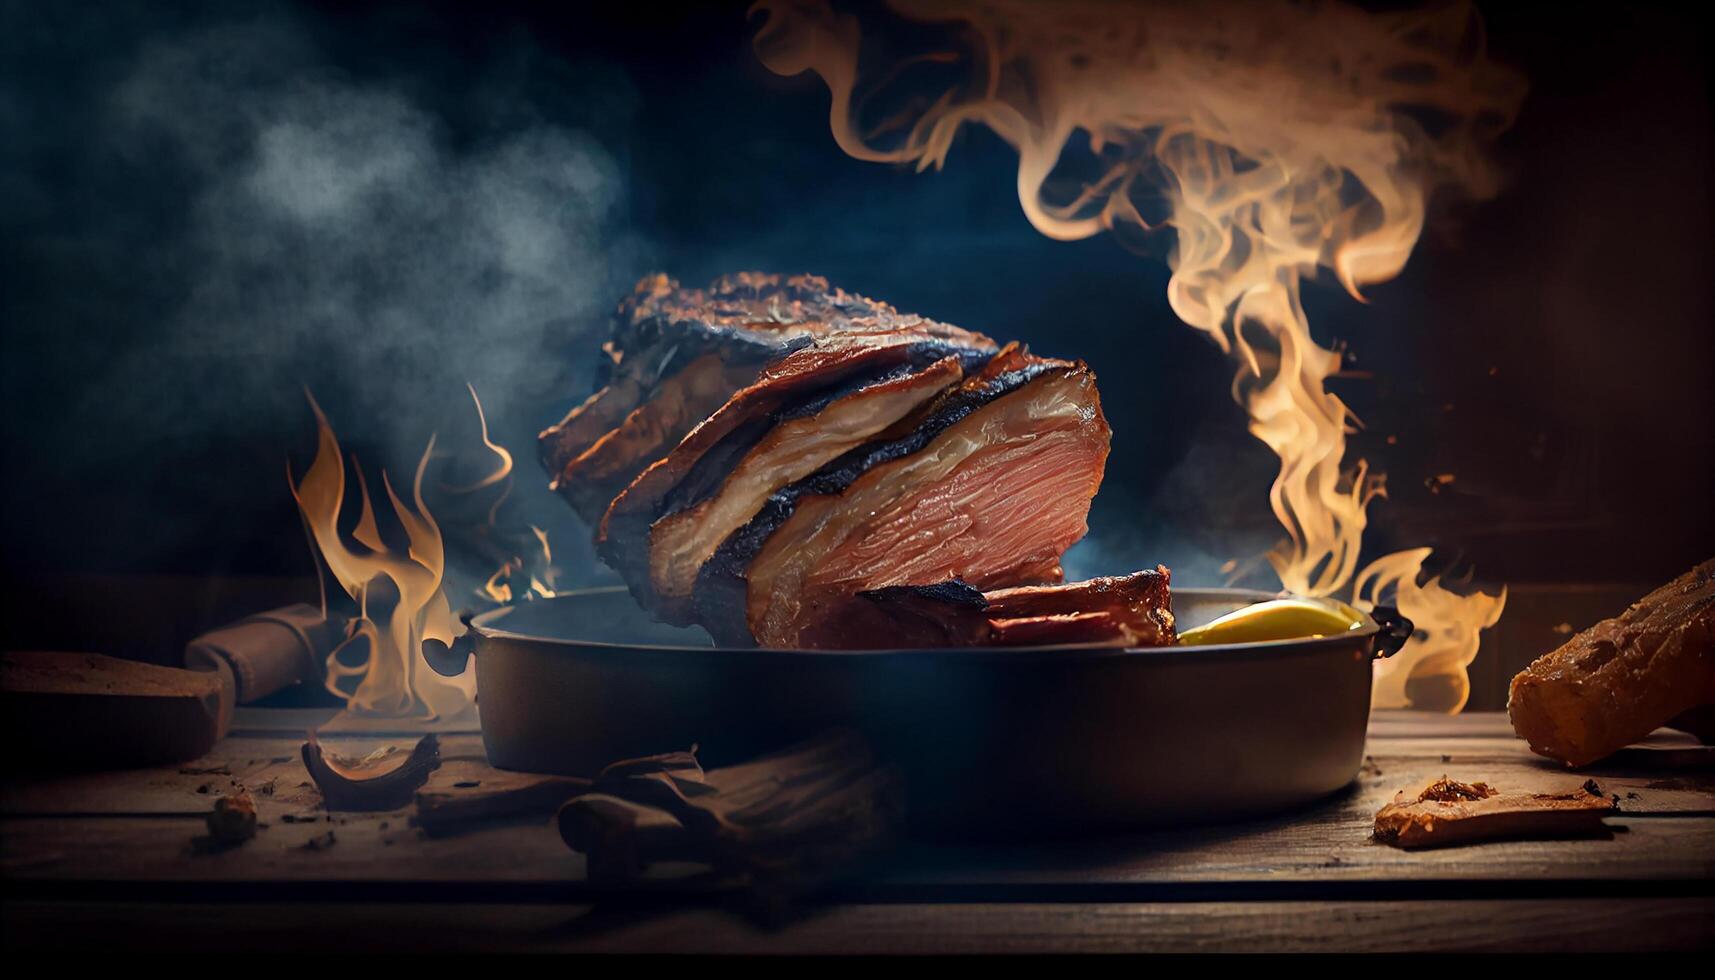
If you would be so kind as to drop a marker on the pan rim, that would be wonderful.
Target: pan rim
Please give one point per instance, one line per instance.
(486, 626)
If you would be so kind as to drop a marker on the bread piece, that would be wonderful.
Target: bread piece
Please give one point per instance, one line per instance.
(83, 710)
(1448, 813)
(1623, 678)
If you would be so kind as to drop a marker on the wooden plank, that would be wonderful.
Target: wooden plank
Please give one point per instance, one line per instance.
(363, 847)
(254, 722)
(1388, 770)
(1397, 723)
(270, 767)
(1308, 852)
(1327, 843)
(1547, 925)
(1292, 856)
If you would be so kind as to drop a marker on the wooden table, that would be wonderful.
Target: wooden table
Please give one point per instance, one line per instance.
(107, 861)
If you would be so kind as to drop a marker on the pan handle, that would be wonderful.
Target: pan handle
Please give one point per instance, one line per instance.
(1395, 631)
(450, 660)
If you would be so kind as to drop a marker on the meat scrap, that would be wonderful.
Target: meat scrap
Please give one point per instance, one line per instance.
(1623, 678)
(1133, 610)
(1448, 813)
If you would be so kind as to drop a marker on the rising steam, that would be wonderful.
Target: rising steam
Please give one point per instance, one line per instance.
(1274, 140)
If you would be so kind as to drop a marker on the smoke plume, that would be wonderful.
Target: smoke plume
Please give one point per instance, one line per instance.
(1275, 140)
(381, 238)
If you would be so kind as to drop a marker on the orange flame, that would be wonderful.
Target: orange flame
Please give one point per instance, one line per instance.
(1447, 623)
(1284, 139)
(379, 669)
(498, 588)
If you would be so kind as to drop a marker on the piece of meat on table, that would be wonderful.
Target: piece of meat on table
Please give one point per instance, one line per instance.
(1621, 679)
(1133, 610)
(988, 485)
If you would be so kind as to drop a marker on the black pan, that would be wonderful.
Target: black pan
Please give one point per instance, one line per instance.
(1012, 740)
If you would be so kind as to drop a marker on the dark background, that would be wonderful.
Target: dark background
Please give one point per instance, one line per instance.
(1551, 349)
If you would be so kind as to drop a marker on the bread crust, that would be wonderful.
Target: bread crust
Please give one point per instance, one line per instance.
(1621, 679)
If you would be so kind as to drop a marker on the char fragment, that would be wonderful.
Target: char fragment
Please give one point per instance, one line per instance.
(379, 782)
(233, 819)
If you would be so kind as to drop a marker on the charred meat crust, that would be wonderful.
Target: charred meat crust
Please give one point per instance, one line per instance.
(1130, 610)
(748, 319)
(679, 404)
(690, 474)
(1140, 604)
(720, 598)
(946, 614)
(710, 470)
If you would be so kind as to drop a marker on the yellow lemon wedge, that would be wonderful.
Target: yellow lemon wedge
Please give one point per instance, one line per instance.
(1276, 619)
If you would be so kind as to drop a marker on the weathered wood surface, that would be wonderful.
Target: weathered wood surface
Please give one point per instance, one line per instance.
(1546, 925)
(73, 846)
(140, 826)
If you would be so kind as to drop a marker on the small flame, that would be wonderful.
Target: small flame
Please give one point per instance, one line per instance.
(1435, 660)
(379, 669)
(1284, 138)
(498, 587)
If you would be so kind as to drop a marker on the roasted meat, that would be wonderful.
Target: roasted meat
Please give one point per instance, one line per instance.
(677, 355)
(990, 485)
(763, 456)
(814, 405)
(591, 478)
(1133, 610)
(1623, 678)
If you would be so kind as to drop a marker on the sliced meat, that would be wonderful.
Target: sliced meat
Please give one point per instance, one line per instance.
(794, 448)
(591, 479)
(662, 335)
(1059, 629)
(990, 487)
(1139, 605)
(761, 312)
(617, 395)
(1133, 610)
(904, 617)
(809, 407)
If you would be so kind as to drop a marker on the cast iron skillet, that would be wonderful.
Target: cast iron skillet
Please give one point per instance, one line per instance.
(1020, 740)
